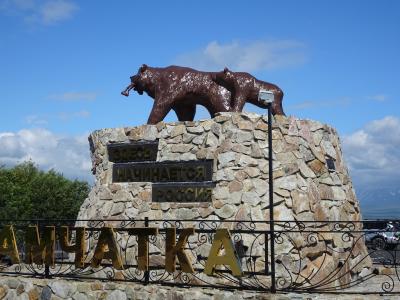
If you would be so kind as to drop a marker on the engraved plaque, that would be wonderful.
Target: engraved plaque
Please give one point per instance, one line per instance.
(182, 192)
(132, 152)
(168, 171)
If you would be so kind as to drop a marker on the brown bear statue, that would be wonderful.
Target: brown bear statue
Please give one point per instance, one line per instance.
(245, 88)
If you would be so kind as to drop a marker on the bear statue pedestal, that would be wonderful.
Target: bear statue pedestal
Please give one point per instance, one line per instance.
(312, 191)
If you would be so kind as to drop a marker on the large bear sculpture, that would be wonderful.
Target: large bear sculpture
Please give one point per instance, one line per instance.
(181, 89)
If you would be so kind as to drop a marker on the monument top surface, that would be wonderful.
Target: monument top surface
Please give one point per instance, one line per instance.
(281, 121)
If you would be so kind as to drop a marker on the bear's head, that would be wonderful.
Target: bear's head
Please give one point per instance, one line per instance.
(226, 78)
(143, 80)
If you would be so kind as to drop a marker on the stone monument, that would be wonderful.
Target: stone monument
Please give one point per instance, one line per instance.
(216, 170)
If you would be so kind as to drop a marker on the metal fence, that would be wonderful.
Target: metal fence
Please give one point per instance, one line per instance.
(329, 257)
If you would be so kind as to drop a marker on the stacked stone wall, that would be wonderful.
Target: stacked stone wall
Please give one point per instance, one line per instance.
(311, 183)
(34, 289)
(304, 188)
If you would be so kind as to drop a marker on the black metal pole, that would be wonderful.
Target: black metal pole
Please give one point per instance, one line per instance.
(271, 200)
(147, 273)
(47, 271)
(40, 224)
(266, 255)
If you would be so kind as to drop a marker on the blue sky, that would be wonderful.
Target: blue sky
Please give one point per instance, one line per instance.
(63, 64)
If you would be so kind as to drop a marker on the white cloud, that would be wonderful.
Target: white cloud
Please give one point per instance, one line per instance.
(43, 120)
(373, 153)
(40, 12)
(56, 11)
(67, 116)
(74, 96)
(35, 120)
(23, 4)
(66, 154)
(378, 97)
(254, 56)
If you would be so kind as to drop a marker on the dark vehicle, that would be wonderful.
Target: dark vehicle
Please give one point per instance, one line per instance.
(386, 238)
(5, 260)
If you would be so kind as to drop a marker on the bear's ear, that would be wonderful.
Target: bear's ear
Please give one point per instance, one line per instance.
(143, 68)
(226, 70)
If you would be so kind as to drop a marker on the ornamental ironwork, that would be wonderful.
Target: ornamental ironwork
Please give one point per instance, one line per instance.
(323, 257)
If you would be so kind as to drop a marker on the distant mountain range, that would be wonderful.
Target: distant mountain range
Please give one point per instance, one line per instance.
(379, 203)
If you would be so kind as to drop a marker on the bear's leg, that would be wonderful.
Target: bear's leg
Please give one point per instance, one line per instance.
(217, 104)
(185, 112)
(159, 111)
(277, 108)
(238, 103)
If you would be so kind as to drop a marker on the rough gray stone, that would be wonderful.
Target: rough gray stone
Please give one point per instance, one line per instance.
(177, 130)
(260, 186)
(187, 213)
(188, 156)
(212, 140)
(122, 196)
(246, 160)
(306, 153)
(145, 132)
(62, 289)
(300, 201)
(23, 296)
(195, 129)
(83, 287)
(256, 151)
(239, 148)
(305, 170)
(116, 295)
(260, 135)
(244, 136)
(187, 138)
(290, 168)
(225, 174)
(293, 130)
(199, 140)
(328, 148)
(150, 133)
(226, 211)
(221, 192)
(317, 136)
(338, 193)
(225, 158)
(216, 129)
(80, 296)
(252, 171)
(46, 293)
(246, 125)
(286, 158)
(181, 148)
(252, 198)
(11, 295)
(105, 194)
(117, 208)
(130, 292)
(288, 182)
(13, 283)
(131, 212)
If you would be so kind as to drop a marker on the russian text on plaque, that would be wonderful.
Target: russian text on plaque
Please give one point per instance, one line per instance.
(168, 171)
(182, 192)
(132, 152)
